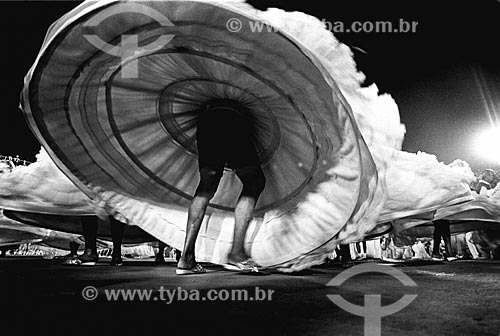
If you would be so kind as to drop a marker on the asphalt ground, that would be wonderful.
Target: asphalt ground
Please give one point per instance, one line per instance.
(452, 298)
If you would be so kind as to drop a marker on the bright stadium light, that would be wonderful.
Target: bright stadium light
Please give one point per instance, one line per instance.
(488, 145)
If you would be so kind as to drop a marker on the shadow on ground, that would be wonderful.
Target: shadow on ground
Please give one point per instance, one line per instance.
(460, 297)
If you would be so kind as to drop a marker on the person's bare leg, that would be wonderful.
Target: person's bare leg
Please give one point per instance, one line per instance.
(448, 247)
(117, 230)
(242, 216)
(73, 248)
(90, 226)
(436, 240)
(196, 213)
(253, 181)
(160, 257)
(345, 255)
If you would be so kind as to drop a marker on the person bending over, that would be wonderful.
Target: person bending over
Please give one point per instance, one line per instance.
(224, 140)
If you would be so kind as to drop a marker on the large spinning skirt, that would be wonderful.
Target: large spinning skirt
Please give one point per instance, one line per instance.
(73, 225)
(418, 185)
(422, 190)
(123, 127)
(482, 213)
(14, 233)
(47, 203)
(42, 188)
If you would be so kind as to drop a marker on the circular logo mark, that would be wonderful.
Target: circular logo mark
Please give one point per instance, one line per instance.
(90, 293)
(234, 25)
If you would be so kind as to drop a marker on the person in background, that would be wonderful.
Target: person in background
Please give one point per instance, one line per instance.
(460, 243)
(73, 253)
(419, 251)
(485, 182)
(442, 230)
(360, 250)
(345, 256)
(90, 257)
(160, 256)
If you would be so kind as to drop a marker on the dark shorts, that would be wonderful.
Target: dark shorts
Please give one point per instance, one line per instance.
(224, 138)
(252, 178)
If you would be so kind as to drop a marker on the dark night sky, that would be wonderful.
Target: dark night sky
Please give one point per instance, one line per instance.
(430, 73)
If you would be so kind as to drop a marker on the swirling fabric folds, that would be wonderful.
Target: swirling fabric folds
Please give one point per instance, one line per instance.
(114, 97)
(128, 143)
(13, 233)
(41, 187)
(48, 204)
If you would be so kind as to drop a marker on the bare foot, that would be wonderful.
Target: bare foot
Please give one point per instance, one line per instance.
(186, 262)
(236, 258)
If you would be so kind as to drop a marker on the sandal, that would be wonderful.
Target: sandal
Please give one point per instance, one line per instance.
(71, 261)
(246, 266)
(197, 269)
(88, 259)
